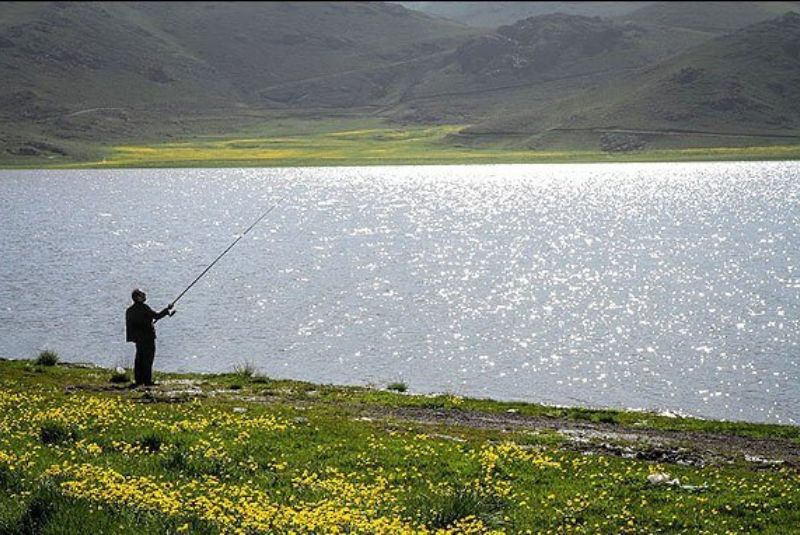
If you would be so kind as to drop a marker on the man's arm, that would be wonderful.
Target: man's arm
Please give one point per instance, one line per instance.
(166, 312)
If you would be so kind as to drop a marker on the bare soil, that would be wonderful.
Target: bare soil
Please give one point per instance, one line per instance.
(683, 447)
(694, 448)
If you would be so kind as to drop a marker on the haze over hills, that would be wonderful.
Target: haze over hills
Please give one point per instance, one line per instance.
(708, 16)
(493, 14)
(712, 17)
(77, 75)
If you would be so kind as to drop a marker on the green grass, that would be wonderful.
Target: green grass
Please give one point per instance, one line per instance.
(369, 142)
(120, 376)
(387, 146)
(245, 369)
(47, 358)
(284, 455)
(397, 386)
(56, 432)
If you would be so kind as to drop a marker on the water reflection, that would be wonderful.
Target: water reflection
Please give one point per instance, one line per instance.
(639, 285)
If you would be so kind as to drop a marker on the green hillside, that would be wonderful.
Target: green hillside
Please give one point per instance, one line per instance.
(738, 89)
(535, 62)
(743, 82)
(79, 80)
(74, 74)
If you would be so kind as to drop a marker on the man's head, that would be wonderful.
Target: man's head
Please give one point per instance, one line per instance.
(138, 296)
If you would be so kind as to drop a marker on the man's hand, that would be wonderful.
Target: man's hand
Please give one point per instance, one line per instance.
(172, 313)
(170, 306)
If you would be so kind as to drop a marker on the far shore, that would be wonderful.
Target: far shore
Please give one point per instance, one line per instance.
(750, 154)
(334, 145)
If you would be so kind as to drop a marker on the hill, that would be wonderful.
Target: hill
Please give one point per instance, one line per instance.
(733, 88)
(78, 77)
(493, 14)
(713, 17)
(98, 71)
(535, 62)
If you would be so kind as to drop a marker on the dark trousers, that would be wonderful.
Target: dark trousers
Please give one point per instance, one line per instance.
(143, 364)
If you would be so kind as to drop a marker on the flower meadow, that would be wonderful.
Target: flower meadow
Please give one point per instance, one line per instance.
(246, 457)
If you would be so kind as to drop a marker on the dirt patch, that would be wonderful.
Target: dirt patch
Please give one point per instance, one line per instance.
(682, 447)
(694, 448)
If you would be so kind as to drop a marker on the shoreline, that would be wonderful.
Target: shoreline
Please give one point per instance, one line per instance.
(210, 453)
(392, 397)
(487, 403)
(323, 163)
(343, 144)
(663, 414)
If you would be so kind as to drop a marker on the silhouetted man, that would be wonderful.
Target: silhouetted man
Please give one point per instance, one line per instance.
(139, 329)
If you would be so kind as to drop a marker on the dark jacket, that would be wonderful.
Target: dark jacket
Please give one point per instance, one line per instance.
(139, 322)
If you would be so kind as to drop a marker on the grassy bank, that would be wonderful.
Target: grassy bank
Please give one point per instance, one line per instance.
(339, 143)
(248, 454)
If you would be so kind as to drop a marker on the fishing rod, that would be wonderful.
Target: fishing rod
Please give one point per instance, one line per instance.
(242, 235)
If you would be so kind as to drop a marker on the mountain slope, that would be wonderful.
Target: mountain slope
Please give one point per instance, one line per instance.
(93, 70)
(739, 85)
(75, 76)
(493, 14)
(212, 50)
(714, 17)
(535, 62)
(745, 81)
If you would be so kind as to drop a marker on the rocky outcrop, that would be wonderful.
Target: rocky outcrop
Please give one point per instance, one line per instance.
(540, 43)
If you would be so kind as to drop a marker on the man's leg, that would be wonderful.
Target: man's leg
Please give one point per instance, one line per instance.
(147, 362)
(137, 364)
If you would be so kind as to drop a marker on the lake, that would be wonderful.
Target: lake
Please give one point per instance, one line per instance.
(667, 287)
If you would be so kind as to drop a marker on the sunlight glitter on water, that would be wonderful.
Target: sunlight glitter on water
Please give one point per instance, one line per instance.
(659, 286)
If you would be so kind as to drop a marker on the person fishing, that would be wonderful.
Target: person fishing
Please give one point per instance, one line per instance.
(139, 329)
(139, 318)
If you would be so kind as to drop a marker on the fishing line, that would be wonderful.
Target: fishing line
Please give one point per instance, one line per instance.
(242, 235)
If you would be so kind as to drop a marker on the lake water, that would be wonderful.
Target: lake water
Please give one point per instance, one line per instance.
(654, 286)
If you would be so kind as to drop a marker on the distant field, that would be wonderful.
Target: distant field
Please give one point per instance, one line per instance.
(372, 143)
(388, 146)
